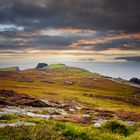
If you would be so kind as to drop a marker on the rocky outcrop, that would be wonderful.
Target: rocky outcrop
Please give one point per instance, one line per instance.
(17, 68)
(135, 80)
(41, 65)
(9, 97)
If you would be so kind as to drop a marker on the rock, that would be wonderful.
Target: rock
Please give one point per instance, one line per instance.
(99, 123)
(57, 111)
(78, 108)
(47, 102)
(10, 110)
(135, 80)
(30, 114)
(130, 123)
(71, 110)
(41, 65)
(17, 68)
(9, 97)
(68, 83)
(36, 103)
(95, 79)
(16, 124)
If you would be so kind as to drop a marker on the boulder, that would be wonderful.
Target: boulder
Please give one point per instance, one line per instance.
(68, 83)
(9, 97)
(41, 65)
(135, 80)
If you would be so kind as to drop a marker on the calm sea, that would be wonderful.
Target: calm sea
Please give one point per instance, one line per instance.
(125, 70)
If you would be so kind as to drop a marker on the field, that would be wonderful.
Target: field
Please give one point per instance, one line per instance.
(84, 92)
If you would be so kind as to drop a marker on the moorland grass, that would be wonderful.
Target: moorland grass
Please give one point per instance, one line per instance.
(60, 92)
(8, 117)
(54, 130)
(117, 126)
(9, 69)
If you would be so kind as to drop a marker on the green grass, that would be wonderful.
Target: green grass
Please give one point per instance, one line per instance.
(51, 66)
(29, 82)
(117, 126)
(83, 84)
(9, 69)
(8, 117)
(53, 130)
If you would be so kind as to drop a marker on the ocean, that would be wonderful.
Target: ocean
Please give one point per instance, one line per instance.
(125, 70)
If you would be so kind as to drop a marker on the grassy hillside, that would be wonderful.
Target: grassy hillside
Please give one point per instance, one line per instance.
(52, 83)
(84, 96)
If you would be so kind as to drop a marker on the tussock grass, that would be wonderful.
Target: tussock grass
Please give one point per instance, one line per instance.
(117, 126)
(8, 117)
(54, 130)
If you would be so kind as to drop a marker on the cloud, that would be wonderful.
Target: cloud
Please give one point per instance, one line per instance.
(69, 39)
(47, 39)
(10, 27)
(95, 14)
(122, 41)
(70, 25)
(66, 32)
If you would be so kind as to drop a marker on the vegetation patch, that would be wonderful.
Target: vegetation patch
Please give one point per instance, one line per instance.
(51, 66)
(53, 130)
(8, 117)
(9, 69)
(9, 97)
(116, 126)
(131, 101)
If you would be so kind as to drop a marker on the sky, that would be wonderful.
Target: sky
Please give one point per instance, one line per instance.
(69, 30)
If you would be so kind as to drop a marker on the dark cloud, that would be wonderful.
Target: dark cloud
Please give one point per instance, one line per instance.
(107, 17)
(95, 14)
(134, 58)
(83, 41)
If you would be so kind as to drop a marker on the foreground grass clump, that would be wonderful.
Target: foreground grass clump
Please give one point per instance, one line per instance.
(71, 131)
(117, 126)
(53, 130)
